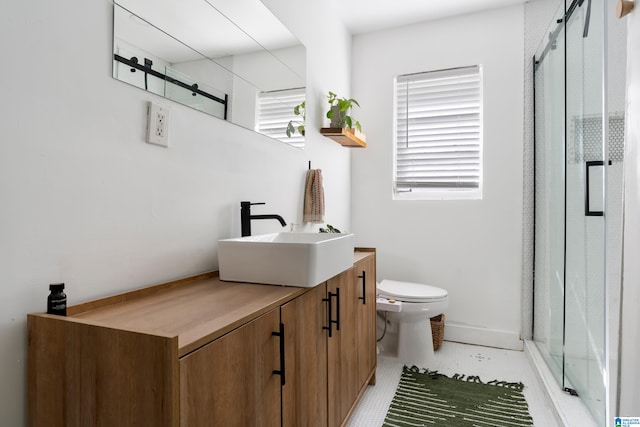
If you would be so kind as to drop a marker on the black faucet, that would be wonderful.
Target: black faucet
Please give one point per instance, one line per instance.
(246, 217)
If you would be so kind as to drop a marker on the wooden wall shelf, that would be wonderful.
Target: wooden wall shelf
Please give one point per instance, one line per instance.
(346, 137)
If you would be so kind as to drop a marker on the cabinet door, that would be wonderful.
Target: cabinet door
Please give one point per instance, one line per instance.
(342, 349)
(365, 272)
(230, 382)
(305, 388)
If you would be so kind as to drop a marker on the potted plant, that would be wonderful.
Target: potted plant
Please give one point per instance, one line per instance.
(339, 112)
(294, 125)
(329, 229)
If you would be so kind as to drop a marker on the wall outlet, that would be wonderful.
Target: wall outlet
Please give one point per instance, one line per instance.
(157, 124)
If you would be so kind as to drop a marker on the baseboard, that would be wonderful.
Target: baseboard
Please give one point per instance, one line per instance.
(483, 336)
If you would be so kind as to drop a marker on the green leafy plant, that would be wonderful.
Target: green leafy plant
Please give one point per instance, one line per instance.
(341, 107)
(295, 125)
(329, 229)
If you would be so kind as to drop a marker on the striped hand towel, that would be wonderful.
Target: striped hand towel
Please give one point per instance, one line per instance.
(313, 210)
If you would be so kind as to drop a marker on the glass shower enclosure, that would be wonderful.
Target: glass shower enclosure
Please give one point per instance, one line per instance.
(570, 307)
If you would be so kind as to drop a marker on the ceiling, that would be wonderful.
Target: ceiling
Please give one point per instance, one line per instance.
(363, 16)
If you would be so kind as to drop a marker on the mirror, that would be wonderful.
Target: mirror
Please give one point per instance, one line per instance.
(233, 60)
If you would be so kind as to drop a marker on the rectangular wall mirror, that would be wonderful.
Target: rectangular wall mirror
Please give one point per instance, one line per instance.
(233, 60)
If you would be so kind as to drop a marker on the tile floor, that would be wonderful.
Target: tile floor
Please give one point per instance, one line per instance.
(452, 358)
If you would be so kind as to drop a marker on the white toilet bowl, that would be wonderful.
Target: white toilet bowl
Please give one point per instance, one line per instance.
(413, 305)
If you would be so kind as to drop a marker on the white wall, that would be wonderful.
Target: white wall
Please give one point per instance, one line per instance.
(630, 319)
(472, 249)
(85, 201)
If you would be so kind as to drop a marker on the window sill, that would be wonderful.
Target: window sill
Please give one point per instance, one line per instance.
(475, 194)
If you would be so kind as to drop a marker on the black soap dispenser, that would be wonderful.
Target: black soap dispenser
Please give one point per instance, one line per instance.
(57, 300)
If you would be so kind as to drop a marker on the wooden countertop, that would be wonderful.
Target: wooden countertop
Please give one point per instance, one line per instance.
(196, 313)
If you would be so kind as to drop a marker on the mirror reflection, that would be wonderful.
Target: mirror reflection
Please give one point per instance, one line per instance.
(232, 60)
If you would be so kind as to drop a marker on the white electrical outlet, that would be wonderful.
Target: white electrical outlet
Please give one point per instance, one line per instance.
(157, 124)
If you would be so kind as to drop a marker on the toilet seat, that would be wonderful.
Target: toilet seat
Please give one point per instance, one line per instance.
(411, 292)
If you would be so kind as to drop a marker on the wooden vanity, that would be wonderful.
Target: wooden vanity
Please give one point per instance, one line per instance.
(202, 352)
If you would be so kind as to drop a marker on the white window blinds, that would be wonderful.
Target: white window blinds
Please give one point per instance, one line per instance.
(438, 130)
(274, 110)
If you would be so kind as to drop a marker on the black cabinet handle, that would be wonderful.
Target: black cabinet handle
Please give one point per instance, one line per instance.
(337, 321)
(282, 363)
(363, 276)
(329, 300)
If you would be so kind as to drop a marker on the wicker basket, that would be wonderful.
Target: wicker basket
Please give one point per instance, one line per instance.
(437, 331)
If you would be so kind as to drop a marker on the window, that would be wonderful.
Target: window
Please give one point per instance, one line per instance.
(274, 110)
(438, 135)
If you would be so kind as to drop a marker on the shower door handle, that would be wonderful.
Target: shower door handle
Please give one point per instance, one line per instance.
(588, 187)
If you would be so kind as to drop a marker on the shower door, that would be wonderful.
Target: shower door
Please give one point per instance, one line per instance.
(569, 288)
(584, 355)
(549, 80)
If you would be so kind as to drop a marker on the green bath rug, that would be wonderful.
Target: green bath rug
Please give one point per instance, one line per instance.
(425, 398)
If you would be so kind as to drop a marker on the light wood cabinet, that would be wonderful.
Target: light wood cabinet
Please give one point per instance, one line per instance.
(230, 382)
(202, 352)
(82, 374)
(339, 362)
(303, 402)
(352, 344)
(342, 351)
(365, 277)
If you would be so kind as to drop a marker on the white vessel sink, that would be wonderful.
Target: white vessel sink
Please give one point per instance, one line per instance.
(291, 259)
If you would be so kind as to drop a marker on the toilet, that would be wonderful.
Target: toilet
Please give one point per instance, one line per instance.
(408, 308)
